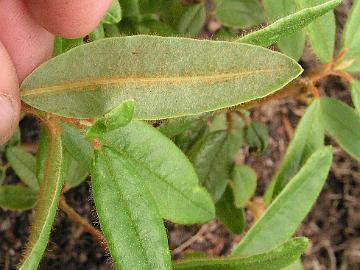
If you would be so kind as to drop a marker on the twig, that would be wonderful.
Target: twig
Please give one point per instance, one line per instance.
(190, 241)
(70, 212)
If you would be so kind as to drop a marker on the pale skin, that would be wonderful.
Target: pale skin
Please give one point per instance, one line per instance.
(27, 31)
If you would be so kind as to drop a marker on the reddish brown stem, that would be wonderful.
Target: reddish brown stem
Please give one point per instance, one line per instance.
(71, 213)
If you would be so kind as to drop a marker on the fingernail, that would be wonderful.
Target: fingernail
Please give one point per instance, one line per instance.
(7, 118)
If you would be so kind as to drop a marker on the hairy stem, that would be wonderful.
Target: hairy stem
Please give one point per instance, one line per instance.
(71, 213)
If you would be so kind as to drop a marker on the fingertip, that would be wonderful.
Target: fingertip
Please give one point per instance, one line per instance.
(9, 97)
(69, 19)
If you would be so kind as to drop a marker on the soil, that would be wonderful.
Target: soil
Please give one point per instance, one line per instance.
(333, 225)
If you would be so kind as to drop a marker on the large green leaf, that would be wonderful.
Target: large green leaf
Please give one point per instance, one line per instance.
(276, 259)
(128, 215)
(17, 197)
(233, 218)
(243, 182)
(24, 165)
(355, 94)
(321, 32)
(287, 211)
(165, 170)
(167, 77)
(343, 124)
(294, 44)
(297, 265)
(351, 38)
(62, 45)
(308, 137)
(47, 203)
(238, 14)
(291, 24)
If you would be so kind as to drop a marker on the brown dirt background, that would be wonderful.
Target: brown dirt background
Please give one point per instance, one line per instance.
(333, 225)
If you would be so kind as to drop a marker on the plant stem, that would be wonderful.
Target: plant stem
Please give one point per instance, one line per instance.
(71, 213)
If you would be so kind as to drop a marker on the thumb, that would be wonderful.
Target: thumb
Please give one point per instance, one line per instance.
(9, 97)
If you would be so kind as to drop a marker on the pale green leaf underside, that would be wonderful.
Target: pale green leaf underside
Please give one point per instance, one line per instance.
(343, 124)
(167, 77)
(297, 265)
(287, 211)
(293, 23)
(275, 259)
(165, 170)
(128, 214)
(46, 205)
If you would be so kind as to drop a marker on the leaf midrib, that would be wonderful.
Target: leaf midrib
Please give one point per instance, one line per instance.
(80, 84)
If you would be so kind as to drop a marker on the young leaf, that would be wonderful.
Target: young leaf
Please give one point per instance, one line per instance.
(130, 9)
(13, 141)
(116, 118)
(77, 146)
(233, 218)
(46, 205)
(167, 77)
(128, 214)
(17, 197)
(113, 15)
(321, 32)
(239, 14)
(192, 20)
(351, 38)
(98, 33)
(291, 24)
(343, 124)
(355, 94)
(198, 130)
(243, 184)
(257, 137)
(24, 165)
(165, 170)
(176, 126)
(287, 211)
(308, 137)
(275, 259)
(294, 44)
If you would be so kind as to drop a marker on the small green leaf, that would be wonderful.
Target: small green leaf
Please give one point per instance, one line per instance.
(128, 215)
(275, 259)
(151, 26)
(189, 137)
(62, 45)
(292, 45)
(192, 21)
(239, 14)
(176, 126)
(233, 218)
(113, 15)
(46, 205)
(243, 184)
(321, 32)
(287, 211)
(130, 9)
(351, 38)
(343, 125)
(167, 77)
(355, 94)
(165, 170)
(308, 137)
(295, 22)
(116, 118)
(257, 137)
(24, 165)
(17, 197)
(77, 146)
(213, 154)
(74, 173)
(14, 141)
(98, 33)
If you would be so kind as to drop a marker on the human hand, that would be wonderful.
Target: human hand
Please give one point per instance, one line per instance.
(27, 29)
